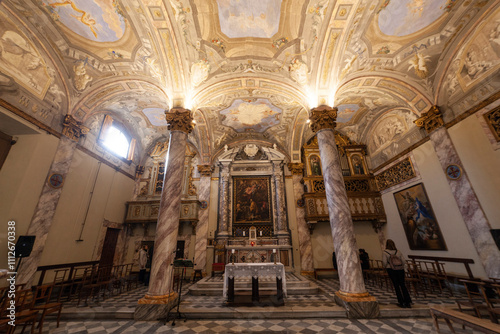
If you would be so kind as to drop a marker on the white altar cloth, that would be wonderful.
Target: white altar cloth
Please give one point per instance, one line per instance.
(254, 270)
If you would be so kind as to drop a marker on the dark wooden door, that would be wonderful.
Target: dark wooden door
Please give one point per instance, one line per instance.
(108, 249)
(179, 253)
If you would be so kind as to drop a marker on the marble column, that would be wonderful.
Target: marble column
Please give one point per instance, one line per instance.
(160, 297)
(200, 251)
(461, 188)
(223, 232)
(49, 198)
(352, 294)
(304, 235)
(281, 226)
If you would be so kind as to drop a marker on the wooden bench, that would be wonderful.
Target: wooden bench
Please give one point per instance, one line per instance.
(482, 325)
(319, 270)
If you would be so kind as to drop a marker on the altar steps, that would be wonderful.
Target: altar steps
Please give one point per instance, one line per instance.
(213, 286)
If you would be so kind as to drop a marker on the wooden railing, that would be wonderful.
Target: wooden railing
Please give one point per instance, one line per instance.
(71, 267)
(438, 259)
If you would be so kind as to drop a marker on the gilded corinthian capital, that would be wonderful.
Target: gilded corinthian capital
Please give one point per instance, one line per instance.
(73, 129)
(296, 168)
(323, 117)
(430, 120)
(179, 119)
(205, 170)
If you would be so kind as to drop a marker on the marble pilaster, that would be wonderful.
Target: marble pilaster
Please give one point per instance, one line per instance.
(200, 251)
(352, 294)
(281, 225)
(305, 245)
(160, 296)
(461, 188)
(223, 200)
(49, 197)
(468, 204)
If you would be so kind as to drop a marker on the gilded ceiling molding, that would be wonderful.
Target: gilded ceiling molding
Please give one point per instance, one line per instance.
(296, 168)
(493, 120)
(179, 119)
(323, 117)
(430, 120)
(205, 170)
(73, 129)
(399, 173)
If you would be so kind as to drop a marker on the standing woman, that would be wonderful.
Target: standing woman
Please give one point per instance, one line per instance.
(394, 264)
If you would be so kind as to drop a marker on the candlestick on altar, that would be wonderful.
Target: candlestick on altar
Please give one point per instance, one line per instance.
(274, 253)
(232, 256)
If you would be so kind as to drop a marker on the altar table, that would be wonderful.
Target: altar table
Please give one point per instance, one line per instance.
(254, 270)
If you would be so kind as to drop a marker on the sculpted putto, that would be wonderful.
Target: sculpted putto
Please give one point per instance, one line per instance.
(299, 72)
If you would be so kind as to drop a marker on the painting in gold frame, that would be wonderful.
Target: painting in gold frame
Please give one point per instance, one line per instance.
(252, 200)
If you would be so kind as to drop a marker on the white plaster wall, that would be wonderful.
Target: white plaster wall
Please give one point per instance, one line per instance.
(481, 163)
(450, 221)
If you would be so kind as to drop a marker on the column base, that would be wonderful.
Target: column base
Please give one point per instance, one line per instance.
(155, 307)
(358, 305)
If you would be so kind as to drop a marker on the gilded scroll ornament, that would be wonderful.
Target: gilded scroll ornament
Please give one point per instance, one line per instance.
(323, 117)
(179, 119)
(73, 129)
(399, 173)
(296, 168)
(205, 170)
(430, 120)
(493, 120)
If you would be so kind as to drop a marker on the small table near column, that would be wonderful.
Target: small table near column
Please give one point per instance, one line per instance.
(255, 270)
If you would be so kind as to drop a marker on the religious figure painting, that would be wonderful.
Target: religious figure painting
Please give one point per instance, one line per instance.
(315, 164)
(251, 202)
(419, 222)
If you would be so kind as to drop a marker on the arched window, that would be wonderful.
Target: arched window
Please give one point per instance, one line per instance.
(116, 139)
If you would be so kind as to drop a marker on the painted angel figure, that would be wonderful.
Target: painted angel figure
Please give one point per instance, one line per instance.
(418, 63)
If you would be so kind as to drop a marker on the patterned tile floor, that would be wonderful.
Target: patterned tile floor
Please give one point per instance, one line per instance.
(294, 324)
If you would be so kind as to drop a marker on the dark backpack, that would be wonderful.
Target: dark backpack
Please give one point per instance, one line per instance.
(395, 262)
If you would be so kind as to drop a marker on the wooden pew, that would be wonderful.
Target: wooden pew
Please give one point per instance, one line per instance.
(481, 325)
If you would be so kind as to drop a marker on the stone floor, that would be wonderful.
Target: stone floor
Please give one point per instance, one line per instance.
(301, 314)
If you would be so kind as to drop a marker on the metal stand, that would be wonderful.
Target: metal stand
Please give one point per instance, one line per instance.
(178, 314)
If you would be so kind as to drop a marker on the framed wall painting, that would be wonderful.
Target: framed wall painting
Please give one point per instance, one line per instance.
(252, 200)
(419, 222)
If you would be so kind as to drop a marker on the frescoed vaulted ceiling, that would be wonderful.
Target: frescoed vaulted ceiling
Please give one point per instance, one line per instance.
(250, 70)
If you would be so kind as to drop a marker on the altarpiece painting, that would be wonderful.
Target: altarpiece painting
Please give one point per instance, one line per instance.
(419, 222)
(251, 203)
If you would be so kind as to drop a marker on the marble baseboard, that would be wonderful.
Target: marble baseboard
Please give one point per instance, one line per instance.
(365, 308)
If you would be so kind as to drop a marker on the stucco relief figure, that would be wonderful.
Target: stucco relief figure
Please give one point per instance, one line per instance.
(299, 72)
(387, 131)
(494, 38)
(199, 72)
(418, 63)
(81, 77)
(473, 65)
(451, 83)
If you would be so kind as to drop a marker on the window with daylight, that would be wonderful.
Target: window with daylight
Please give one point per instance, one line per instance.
(115, 138)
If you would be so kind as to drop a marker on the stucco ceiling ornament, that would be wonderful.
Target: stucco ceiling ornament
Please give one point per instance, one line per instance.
(323, 117)
(81, 78)
(299, 72)
(418, 63)
(199, 72)
(179, 119)
(251, 150)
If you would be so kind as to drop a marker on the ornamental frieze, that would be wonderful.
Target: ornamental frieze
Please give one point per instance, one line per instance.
(399, 173)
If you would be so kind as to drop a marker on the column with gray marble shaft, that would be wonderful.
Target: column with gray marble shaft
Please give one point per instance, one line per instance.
(280, 199)
(200, 251)
(461, 188)
(304, 235)
(49, 198)
(352, 293)
(160, 285)
(223, 200)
